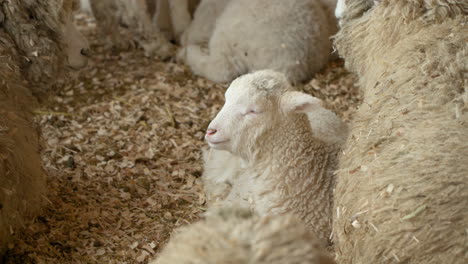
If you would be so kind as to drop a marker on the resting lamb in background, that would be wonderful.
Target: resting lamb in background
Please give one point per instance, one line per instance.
(38, 41)
(401, 191)
(135, 16)
(173, 17)
(291, 37)
(237, 236)
(277, 164)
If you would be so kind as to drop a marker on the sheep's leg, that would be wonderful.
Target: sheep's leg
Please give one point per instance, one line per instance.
(220, 170)
(151, 38)
(214, 66)
(180, 16)
(162, 18)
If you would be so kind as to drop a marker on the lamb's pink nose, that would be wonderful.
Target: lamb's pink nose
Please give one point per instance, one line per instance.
(211, 132)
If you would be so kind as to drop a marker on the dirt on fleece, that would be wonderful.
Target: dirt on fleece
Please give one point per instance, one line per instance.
(122, 149)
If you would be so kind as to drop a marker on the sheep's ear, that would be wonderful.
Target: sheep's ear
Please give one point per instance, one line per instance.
(299, 102)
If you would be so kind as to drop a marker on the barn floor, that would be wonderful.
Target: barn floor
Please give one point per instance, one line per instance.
(122, 150)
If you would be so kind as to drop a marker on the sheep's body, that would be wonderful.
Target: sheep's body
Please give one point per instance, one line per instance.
(134, 14)
(222, 169)
(256, 35)
(301, 183)
(287, 169)
(32, 52)
(204, 21)
(401, 193)
(236, 236)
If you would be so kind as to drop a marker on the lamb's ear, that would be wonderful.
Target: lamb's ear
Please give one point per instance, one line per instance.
(299, 102)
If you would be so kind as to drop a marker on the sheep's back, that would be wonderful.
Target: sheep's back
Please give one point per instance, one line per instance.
(401, 193)
(288, 36)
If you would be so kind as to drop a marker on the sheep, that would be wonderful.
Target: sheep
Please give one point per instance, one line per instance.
(173, 17)
(134, 15)
(37, 41)
(204, 20)
(401, 193)
(255, 35)
(235, 235)
(276, 163)
(47, 35)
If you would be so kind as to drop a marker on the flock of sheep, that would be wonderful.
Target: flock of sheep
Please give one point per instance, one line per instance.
(287, 181)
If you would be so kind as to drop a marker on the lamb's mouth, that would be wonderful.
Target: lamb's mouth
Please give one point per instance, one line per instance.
(216, 143)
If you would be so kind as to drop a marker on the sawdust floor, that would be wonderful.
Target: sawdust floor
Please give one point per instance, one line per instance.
(122, 148)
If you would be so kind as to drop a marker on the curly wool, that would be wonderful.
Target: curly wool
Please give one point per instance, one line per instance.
(401, 193)
(236, 236)
(36, 27)
(32, 55)
(22, 179)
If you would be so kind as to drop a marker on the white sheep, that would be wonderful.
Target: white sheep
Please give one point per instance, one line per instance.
(291, 37)
(204, 20)
(279, 160)
(237, 236)
(173, 17)
(134, 15)
(401, 192)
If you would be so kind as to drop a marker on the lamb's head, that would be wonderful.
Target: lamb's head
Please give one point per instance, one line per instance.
(259, 107)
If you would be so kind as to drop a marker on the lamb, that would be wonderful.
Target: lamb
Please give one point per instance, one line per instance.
(134, 14)
(276, 163)
(255, 35)
(237, 236)
(401, 192)
(38, 41)
(173, 17)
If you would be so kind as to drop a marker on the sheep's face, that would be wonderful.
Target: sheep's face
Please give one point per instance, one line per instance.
(257, 106)
(76, 45)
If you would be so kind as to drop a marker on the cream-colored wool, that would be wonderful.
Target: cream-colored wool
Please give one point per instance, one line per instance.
(236, 236)
(204, 20)
(401, 193)
(173, 17)
(86, 6)
(44, 34)
(134, 14)
(276, 164)
(35, 45)
(256, 35)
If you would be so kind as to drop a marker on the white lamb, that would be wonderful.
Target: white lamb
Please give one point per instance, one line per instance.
(237, 236)
(292, 37)
(132, 16)
(173, 17)
(282, 150)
